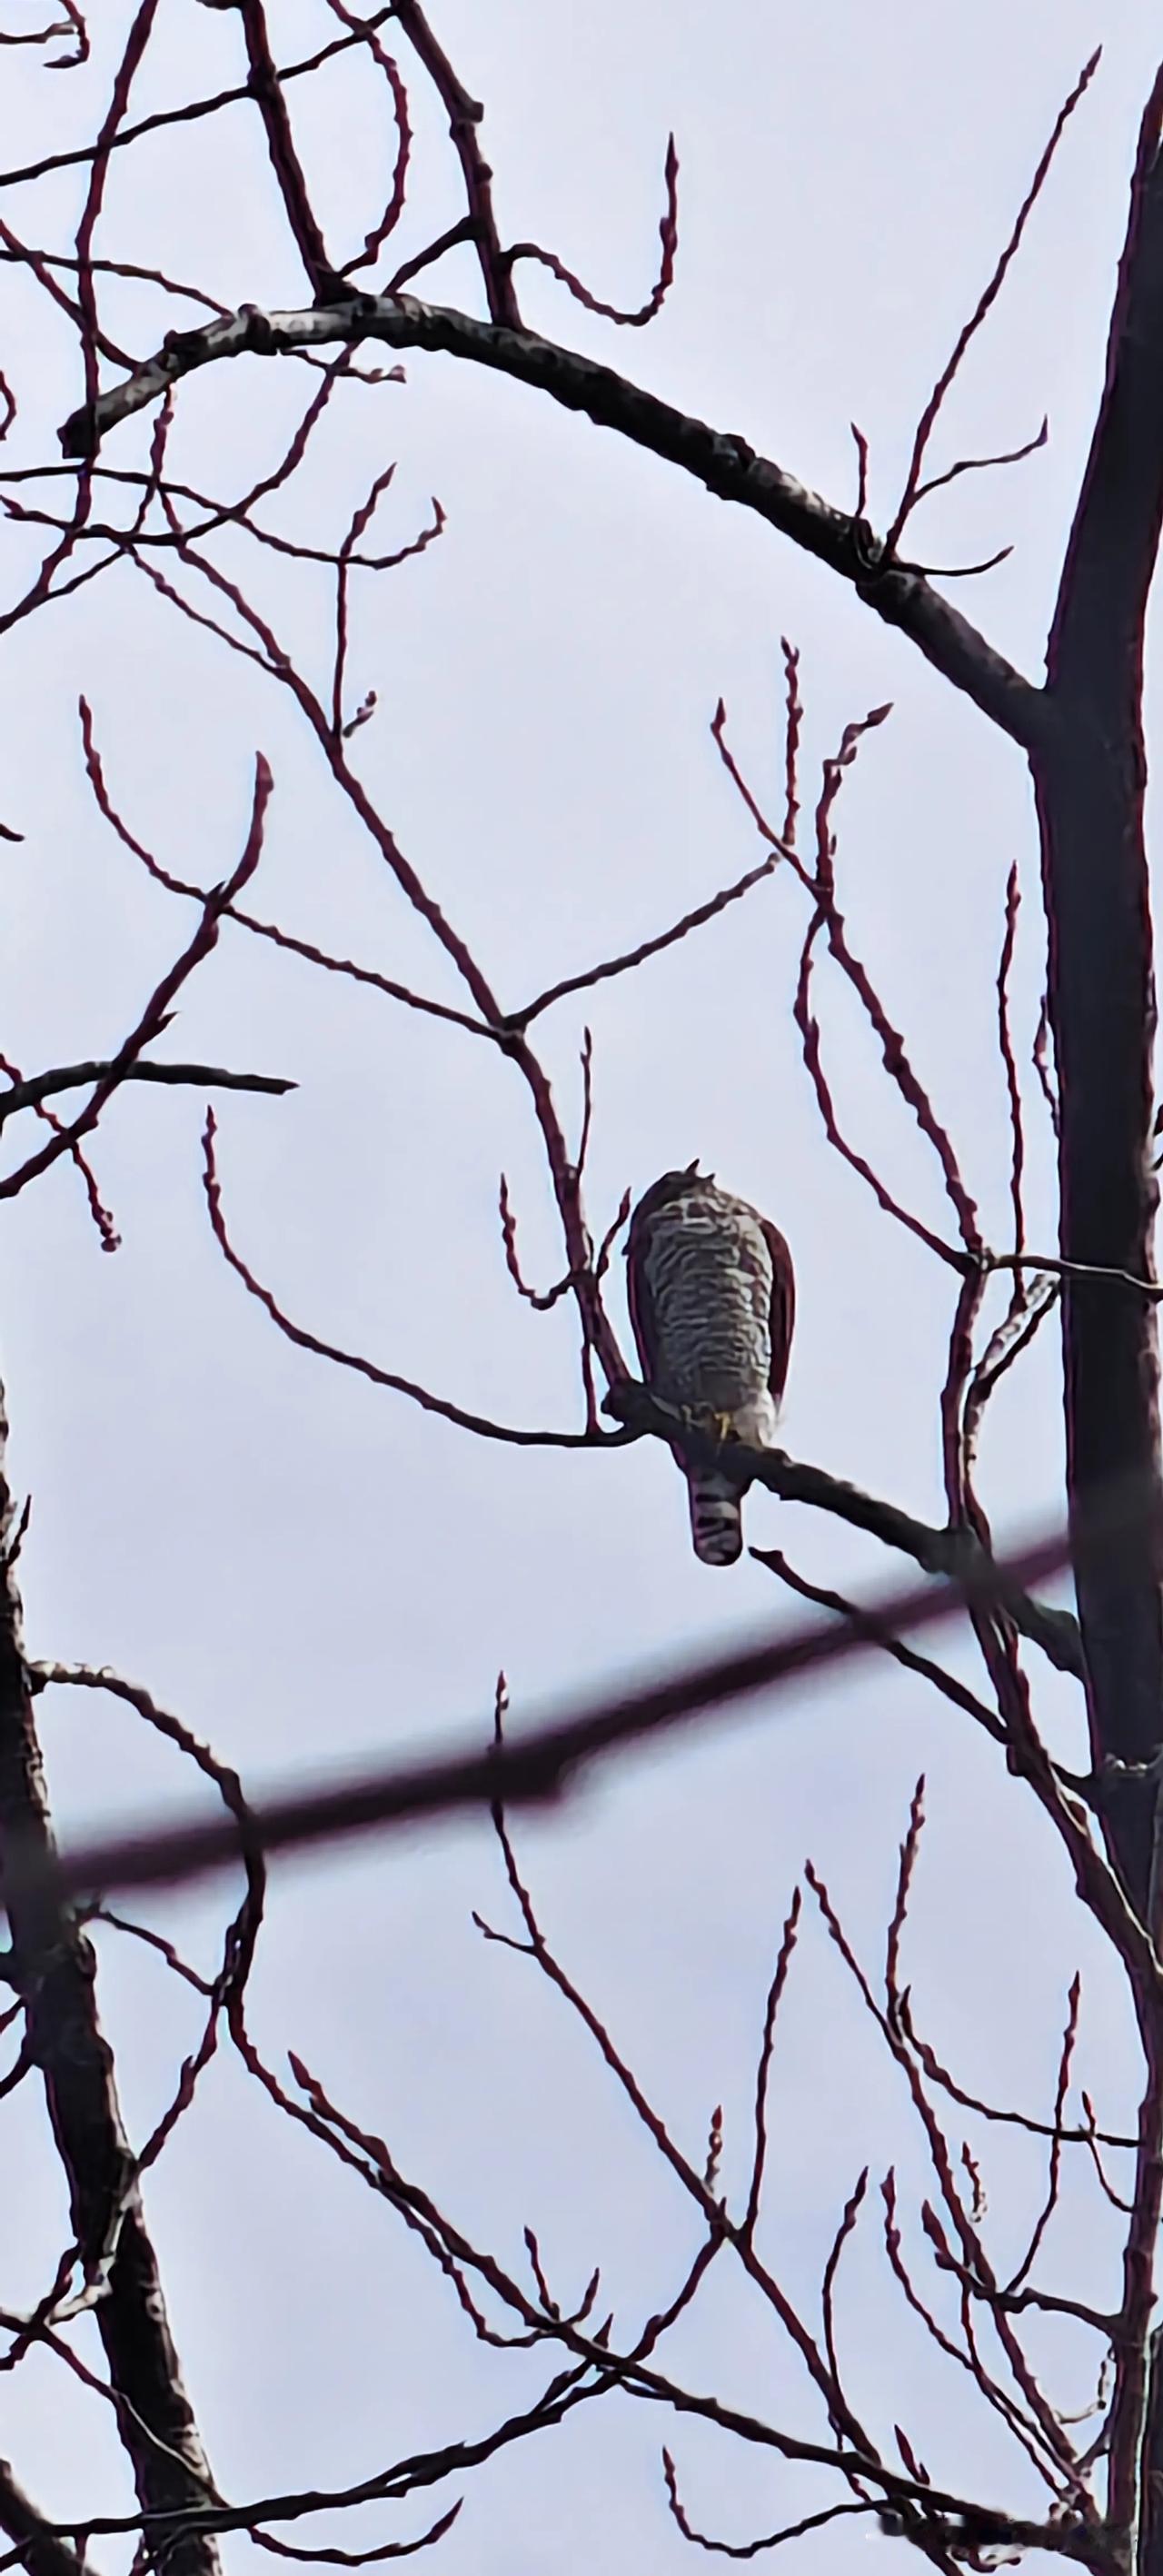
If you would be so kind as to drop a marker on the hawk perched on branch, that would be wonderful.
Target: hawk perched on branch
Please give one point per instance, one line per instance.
(712, 1303)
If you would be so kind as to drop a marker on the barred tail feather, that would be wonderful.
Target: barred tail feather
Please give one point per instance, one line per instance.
(716, 1519)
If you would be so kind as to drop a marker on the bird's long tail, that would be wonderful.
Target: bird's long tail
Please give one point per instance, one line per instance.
(716, 1519)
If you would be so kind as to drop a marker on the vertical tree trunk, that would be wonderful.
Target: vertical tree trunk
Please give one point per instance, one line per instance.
(56, 1968)
(1090, 777)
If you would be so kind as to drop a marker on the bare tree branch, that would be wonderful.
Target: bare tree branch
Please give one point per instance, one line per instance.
(536, 1768)
(953, 1552)
(154, 1017)
(725, 464)
(192, 110)
(70, 1077)
(42, 2551)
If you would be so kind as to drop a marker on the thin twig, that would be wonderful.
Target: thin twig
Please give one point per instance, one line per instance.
(668, 235)
(984, 305)
(429, 1403)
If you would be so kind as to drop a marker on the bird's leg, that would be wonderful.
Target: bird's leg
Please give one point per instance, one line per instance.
(719, 1427)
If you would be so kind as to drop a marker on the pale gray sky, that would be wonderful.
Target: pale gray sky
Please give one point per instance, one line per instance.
(308, 1570)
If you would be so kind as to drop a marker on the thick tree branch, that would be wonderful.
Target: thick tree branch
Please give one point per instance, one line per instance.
(56, 1969)
(71, 1077)
(954, 1552)
(43, 2552)
(724, 463)
(267, 90)
(464, 118)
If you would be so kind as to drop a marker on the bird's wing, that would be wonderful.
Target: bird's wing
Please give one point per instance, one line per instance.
(783, 1306)
(642, 1316)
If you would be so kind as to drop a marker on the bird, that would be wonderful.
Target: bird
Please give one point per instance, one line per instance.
(712, 1303)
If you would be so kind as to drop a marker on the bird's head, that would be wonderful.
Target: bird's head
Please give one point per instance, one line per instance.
(672, 1185)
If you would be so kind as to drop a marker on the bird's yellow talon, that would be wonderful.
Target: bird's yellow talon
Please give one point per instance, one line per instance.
(713, 1426)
